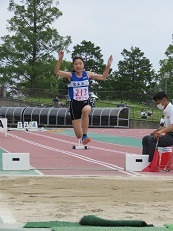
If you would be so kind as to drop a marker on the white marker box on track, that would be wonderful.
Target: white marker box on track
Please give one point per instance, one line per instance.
(3, 125)
(25, 125)
(136, 162)
(19, 125)
(15, 161)
(33, 124)
(81, 147)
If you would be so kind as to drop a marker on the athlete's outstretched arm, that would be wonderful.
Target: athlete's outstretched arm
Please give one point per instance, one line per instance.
(57, 70)
(105, 73)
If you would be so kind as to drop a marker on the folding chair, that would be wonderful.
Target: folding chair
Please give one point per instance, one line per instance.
(169, 164)
(166, 159)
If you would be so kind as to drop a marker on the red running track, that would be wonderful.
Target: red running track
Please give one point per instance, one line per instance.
(52, 153)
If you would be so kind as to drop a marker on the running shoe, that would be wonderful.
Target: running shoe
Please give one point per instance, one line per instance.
(85, 140)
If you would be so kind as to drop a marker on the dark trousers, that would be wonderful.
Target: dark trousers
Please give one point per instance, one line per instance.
(149, 144)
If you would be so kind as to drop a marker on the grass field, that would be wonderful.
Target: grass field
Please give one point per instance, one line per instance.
(135, 107)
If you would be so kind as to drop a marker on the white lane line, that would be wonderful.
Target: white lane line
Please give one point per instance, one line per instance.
(5, 214)
(105, 164)
(94, 147)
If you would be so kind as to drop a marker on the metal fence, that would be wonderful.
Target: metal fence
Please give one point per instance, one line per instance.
(60, 117)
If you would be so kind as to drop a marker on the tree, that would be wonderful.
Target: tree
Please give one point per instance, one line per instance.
(26, 56)
(135, 74)
(61, 83)
(167, 68)
(91, 55)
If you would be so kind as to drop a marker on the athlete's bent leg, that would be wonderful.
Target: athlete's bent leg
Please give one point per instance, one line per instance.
(85, 118)
(85, 123)
(77, 128)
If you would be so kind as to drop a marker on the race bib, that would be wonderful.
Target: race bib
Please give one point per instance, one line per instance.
(80, 93)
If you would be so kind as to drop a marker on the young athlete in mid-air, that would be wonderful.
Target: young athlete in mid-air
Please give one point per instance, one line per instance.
(78, 91)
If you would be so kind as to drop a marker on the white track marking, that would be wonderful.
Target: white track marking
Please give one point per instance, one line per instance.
(105, 164)
(93, 147)
(36, 170)
(5, 213)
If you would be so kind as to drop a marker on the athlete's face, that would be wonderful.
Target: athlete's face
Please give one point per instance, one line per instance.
(78, 65)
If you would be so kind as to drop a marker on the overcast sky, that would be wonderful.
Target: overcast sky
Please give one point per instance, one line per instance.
(113, 25)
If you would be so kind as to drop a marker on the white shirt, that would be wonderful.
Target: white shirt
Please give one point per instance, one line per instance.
(143, 113)
(168, 113)
(162, 121)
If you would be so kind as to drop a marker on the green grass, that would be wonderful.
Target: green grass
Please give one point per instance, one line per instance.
(39, 101)
(135, 107)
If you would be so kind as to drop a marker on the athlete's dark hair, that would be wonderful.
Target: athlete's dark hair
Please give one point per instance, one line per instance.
(160, 95)
(78, 57)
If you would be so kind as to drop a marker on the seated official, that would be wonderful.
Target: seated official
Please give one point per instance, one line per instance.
(143, 114)
(164, 135)
(149, 113)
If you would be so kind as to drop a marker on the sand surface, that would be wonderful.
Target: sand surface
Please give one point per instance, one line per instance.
(70, 198)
